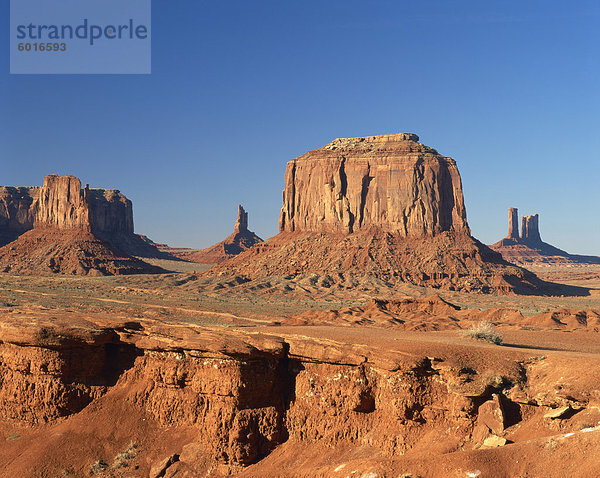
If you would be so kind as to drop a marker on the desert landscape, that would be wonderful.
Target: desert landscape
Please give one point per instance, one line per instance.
(373, 336)
(316, 239)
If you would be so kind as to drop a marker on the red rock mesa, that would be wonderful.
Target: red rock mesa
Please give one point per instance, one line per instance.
(392, 182)
(62, 228)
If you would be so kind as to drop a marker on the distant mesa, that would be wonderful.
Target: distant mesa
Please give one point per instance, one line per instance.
(239, 241)
(370, 212)
(527, 247)
(63, 204)
(63, 228)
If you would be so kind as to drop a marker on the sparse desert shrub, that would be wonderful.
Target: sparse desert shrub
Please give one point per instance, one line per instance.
(46, 335)
(121, 459)
(98, 467)
(483, 331)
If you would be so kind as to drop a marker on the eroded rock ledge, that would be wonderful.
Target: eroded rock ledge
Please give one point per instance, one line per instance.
(247, 393)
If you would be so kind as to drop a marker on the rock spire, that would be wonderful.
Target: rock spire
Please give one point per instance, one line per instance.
(513, 223)
(241, 224)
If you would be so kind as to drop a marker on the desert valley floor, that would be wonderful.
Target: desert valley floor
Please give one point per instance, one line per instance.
(146, 376)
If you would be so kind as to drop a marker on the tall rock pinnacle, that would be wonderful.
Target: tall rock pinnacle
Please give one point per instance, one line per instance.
(528, 247)
(513, 223)
(241, 224)
(240, 240)
(530, 232)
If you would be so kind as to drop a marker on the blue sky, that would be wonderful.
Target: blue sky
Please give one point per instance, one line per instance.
(509, 89)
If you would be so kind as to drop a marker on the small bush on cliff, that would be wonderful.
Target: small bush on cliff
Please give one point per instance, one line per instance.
(483, 331)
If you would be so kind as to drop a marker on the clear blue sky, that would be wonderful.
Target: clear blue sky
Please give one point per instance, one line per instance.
(509, 89)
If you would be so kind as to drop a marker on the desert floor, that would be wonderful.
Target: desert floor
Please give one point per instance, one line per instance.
(113, 437)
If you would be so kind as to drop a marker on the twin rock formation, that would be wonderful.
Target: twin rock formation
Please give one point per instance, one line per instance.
(527, 247)
(373, 211)
(529, 226)
(63, 228)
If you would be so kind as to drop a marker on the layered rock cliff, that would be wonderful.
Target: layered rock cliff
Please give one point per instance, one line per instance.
(392, 182)
(16, 212)
(211, 402)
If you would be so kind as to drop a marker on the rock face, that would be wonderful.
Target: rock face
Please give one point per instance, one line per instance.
(241, 240)
(366, 213)
(15, 208)
(241, 223)
(528, 248)
(392, 182)
(530, 229)
(16, 213)
(61, 204)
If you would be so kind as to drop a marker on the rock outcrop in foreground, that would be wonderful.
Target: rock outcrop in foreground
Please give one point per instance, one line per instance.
(527, 248)
(381, 207)
(62, 228)
(114, 397)
(239, 241)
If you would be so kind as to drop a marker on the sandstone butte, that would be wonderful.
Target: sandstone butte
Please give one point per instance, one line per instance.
(237, 242)
(527, 247)
(391, 182)
(62, 228)
(384, 207)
